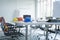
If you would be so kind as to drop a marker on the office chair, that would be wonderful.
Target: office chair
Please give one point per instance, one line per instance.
(27, 18)
(9, 29)
(57, 31)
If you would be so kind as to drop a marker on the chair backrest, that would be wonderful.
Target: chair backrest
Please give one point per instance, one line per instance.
(3, 24)
(7, 29)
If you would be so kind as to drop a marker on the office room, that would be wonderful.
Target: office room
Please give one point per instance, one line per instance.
(29, 19)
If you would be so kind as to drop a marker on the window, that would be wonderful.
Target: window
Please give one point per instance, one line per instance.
(44, 8)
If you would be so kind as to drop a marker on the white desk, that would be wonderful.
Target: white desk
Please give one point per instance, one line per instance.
(37, 23)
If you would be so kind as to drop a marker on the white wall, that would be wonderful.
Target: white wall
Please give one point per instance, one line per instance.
(26, 7)
(8, 7)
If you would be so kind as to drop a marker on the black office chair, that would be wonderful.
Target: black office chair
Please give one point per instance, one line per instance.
(9, 29)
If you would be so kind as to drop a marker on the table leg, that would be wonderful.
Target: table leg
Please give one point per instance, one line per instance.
(46, 32)
(26, 32)
(19, 30)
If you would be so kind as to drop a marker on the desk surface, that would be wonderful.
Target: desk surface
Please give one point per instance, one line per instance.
(37, 23)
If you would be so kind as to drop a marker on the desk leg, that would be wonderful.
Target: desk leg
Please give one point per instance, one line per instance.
(19, 30)
(26, 32)
(46, 32)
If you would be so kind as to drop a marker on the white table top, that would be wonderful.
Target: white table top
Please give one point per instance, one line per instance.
(37, 23)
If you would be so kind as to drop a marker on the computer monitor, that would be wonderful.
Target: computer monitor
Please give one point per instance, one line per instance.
(24, 16)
